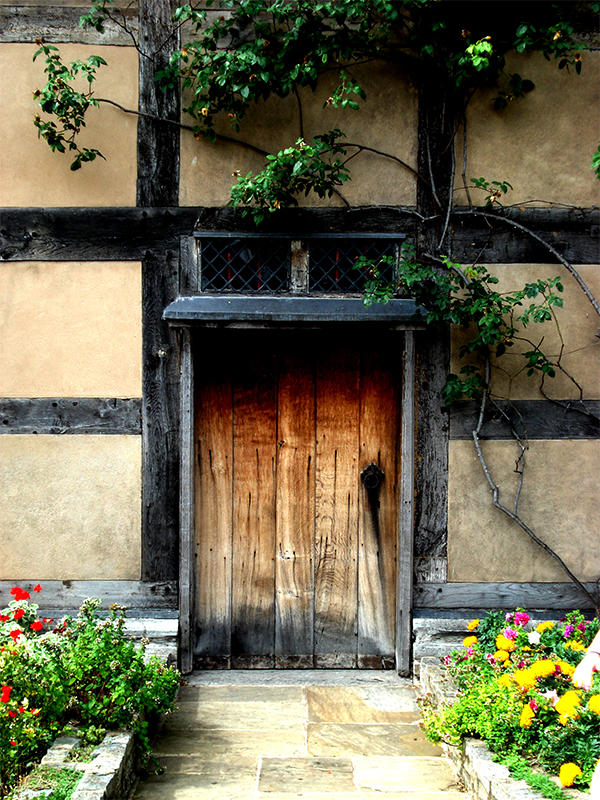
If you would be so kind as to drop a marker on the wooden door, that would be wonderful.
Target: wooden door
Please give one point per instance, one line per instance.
(296, 559)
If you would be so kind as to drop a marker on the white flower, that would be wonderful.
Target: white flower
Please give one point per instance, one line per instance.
(534, 637)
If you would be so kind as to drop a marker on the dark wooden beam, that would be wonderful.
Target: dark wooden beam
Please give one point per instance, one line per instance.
(70, 415)
(160, 418)
(535, 419)
(158, 141)
(143, 599)
(54, 23)
(500, 595)
(96, 234)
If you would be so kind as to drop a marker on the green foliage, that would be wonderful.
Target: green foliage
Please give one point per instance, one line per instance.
(60, 99)
(83, 671)
(467, 297)
(521, 771)
(596, 162)
(60, 781)
(303, 168)
(516, 693)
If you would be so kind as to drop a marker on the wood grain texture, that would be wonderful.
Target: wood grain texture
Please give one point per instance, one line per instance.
(336, 507)
(500, 595)
(93, 234)
(187, 563)
(138, 596)
(70, 415)
(295, 513)
(379, 433)
(214, 482)
(60, 23)
(160, 419)
(158, 142)
(254, 447)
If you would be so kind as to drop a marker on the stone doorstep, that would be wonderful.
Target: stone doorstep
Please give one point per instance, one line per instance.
(483, 778)
(110, 773)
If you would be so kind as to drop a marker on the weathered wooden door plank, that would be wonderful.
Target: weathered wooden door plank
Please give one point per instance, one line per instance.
(379, 421)
(294, 597)
(254, 453)
(214, 455)
(336, 503)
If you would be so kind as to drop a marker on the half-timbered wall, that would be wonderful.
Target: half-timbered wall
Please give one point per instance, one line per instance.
(89, 373)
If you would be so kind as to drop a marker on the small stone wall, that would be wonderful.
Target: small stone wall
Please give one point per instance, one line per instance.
(483, 778)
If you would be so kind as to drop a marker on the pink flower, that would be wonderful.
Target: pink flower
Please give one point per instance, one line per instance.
(533, 705)
(490, 659)
(510, 633)
(569, 631)
(470, 651)
(447, 660)
(581, 627)
(521, 618)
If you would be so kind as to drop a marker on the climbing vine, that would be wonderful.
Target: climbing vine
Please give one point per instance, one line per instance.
(238, 52)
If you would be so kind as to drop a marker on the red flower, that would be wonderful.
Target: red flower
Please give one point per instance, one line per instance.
(5, 694)
(12, 713)
(37, 588)
(15, 634)
(21, 709)
(19, 593)
(36, 626)
(47, 620)
(20, 612)
(35, 711)
(12, 741)
(4, 618)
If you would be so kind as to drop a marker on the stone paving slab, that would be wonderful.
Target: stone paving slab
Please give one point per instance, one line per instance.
(304, 735)
(390, 739)
(361, 704)
(263, 715)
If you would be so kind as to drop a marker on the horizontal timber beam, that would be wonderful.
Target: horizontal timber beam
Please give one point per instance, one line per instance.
(534, 419)
(54, 234)
(70, 415)
(500, 595)
(26, 23)
(140, 598)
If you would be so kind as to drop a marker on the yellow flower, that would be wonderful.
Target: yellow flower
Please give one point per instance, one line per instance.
(527, 715)
(505, 679)
(544, 626)
(502, 643)
(565, 667)
(524, 678)
(572, 644)
(501, 655)
(568, 772)
(542, 668)
(594, 703)
(472, 625)
(566, 707)
(470, 641)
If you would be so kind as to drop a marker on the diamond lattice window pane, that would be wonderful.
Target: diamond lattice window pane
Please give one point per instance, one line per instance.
(333, 263)
(245, 265)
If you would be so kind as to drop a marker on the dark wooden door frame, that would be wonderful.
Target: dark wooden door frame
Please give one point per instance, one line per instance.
(187, 533)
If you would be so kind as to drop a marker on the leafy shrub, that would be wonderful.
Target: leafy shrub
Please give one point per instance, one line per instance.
(83, 670)
(516, 693)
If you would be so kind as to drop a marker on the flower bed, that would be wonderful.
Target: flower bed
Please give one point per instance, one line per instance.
(82, 670)
(515, 692)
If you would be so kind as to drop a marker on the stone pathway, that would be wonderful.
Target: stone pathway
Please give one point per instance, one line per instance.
(274, 735)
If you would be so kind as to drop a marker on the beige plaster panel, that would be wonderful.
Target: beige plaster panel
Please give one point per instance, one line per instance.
(70, 329)
(31, 174)
(386, 121)
(560, 502)
(542, 143)
(70, 507)
(578, 323)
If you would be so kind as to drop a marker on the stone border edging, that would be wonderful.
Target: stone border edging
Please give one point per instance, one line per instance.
(110, 773)
(483, 778)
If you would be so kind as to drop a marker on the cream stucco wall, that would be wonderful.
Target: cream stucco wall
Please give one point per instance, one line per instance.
(70, 329)
(560, 501)
(31, 174)
(578, 324)
(386, 121)
(70, 507)
(542, 143)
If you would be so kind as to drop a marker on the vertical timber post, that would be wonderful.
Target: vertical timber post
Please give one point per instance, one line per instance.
(404, 584)
(186, 508)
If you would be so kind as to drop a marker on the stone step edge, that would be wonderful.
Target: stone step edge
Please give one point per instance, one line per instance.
(110, 773)
(482, 777)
